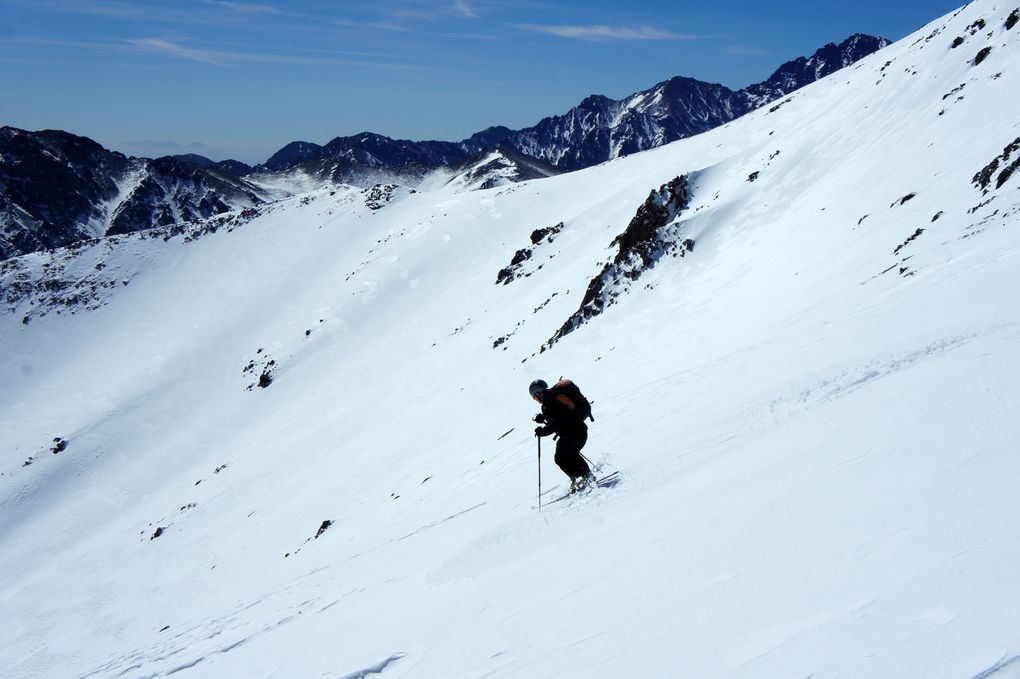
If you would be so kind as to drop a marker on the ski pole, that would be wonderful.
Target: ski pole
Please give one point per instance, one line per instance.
(539, 439)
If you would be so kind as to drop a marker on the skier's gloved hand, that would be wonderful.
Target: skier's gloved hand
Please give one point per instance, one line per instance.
(542, 431)
(539, 418)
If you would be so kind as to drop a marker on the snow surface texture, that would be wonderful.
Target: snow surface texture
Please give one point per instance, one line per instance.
(294, 446)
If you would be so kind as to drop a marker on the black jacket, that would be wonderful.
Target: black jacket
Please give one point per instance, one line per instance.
(559, 417)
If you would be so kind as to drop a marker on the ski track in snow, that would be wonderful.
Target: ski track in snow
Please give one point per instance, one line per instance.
(844, 381)
(236, 625)
(1004, 663)
(766, 641)
(439, 522)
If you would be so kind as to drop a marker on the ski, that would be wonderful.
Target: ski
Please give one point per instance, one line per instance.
(607, 481)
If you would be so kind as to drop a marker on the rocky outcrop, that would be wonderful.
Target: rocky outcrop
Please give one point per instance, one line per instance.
(650, 235)
(1006, 161)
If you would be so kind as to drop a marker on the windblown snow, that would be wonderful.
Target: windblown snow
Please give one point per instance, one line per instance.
(295, 441)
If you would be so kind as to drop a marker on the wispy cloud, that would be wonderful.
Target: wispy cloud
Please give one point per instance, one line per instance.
(417, 10)
(407, 17)
(116, 10)
(464, 8)
(245, 7)
(228, 58)
(604, 33)
(197, 14)
(175, 50)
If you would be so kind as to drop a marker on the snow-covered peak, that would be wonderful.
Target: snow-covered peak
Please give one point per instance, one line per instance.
(496, 168)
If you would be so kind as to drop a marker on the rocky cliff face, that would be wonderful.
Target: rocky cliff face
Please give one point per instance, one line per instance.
(803, 71)
(59, 188)
(55, 189)
(168, 191)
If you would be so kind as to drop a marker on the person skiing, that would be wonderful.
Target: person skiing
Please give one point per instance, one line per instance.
(561, 416)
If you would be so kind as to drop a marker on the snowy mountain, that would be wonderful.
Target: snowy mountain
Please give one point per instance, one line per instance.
(596, 130)
(490, 169)
(601, 128)
(59, 188)
(795, 74)
(295, 440)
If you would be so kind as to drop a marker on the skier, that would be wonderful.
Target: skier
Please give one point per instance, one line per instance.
(562, 416)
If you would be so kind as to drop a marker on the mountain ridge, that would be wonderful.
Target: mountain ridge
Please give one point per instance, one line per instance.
(62, 188)
(597, 129)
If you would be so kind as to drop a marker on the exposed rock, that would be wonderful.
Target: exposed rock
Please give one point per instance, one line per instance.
(60, 189)
(76, 278)
(984, 177)
(322, 529)
(381, 195)
(264, 368)
(908, 241)
(646, 239)
(538, 236)
(499, 167)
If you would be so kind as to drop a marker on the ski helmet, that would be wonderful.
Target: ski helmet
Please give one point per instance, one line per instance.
(537, 387)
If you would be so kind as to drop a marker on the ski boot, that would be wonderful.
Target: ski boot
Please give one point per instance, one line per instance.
(579, 483)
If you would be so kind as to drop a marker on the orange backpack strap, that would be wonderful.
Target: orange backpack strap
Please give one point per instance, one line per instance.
(565, 400)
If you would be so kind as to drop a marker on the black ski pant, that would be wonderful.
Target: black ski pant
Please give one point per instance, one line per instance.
(568, 453)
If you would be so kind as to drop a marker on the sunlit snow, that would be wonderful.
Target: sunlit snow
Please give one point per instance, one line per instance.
(813, 413)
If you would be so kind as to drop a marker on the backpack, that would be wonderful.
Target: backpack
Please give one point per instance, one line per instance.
(567, 393)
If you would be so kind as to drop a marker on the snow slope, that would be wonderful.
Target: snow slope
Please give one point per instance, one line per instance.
(813, 411)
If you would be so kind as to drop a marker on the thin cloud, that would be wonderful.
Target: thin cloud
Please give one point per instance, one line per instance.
(245, 7)
(203, 14)
(113, 10)
(49, 42)
(606, 33)
(464, 8)
(188, 53)
(431, 11)
(225, 58)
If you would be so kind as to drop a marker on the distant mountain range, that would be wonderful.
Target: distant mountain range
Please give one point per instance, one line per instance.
(596, 130)
(59, 188)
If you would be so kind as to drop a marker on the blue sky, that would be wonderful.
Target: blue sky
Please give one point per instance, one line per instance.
(241, 79)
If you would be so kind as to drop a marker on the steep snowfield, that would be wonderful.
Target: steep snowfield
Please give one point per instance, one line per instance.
(813, 412)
